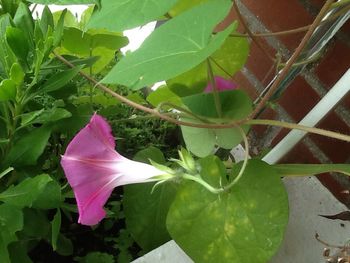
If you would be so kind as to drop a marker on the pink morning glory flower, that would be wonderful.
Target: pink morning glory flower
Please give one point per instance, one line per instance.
(93, 169)
(222, 84)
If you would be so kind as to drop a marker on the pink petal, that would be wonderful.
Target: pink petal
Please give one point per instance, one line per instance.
(93, 169)
(222, 84)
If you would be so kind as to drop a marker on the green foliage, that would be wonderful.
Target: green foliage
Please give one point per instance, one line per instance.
(173, 48)
(245, 224)
(26, 192)
(120, 15)
(11, 219)
(146, 210)
(65, 2)
(235, 105)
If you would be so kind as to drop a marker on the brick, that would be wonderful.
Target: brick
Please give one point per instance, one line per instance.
(336, 150)
(336, 188)
(244, 84)
(279, 15)
(258, 62)
(334, 64)
(299, 154)
(268, 113)
(298, 99)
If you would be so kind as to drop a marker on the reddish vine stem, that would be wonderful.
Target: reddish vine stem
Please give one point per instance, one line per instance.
(232, 124)
(292, 60)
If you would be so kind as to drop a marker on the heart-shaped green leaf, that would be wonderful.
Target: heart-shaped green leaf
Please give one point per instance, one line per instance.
(173, 48)
(245, 224)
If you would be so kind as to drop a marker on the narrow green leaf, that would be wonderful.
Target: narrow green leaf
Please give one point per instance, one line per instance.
(46, 20)
(55, 229)
(18, 43)
(119, 15)
(23, 20)
(58, 33)
(310, 169)
(26, 192)
(28, 148)
(173, 48)
(59, 80)
(6, 171)
(245, 224)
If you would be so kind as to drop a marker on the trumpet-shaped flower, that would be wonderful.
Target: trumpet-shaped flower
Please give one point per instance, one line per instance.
(222, 84)
(93, 169)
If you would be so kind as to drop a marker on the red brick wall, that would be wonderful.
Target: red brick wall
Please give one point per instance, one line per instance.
(306, 90)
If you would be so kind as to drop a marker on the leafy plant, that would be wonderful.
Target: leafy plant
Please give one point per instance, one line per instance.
(51, 74)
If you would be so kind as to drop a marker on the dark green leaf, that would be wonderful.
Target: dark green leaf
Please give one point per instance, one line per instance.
(28, 148)
(45, 116)
(245, 224)
(24, 21)
(97, 257)
(119, 15)
(50, 197)
(18, 43)
(235, 104)
(36, 224)
(46, 20)
(11, 219)
(145, 213)
(55, 229)
(64, 246)
(18, 252)
(26, 192)
(173, 48)
(59, 80)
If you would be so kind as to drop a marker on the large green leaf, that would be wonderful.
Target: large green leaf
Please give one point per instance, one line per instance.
(163, 94)
(65, 2)
(28, 149)
(310, 169)
(183, 5)
(173, 48)
(235, 105)
(119, 15)
(231, 57)
(55, 228)
(245, 224)
(146, 211)
(26, 192)
(11, 221)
